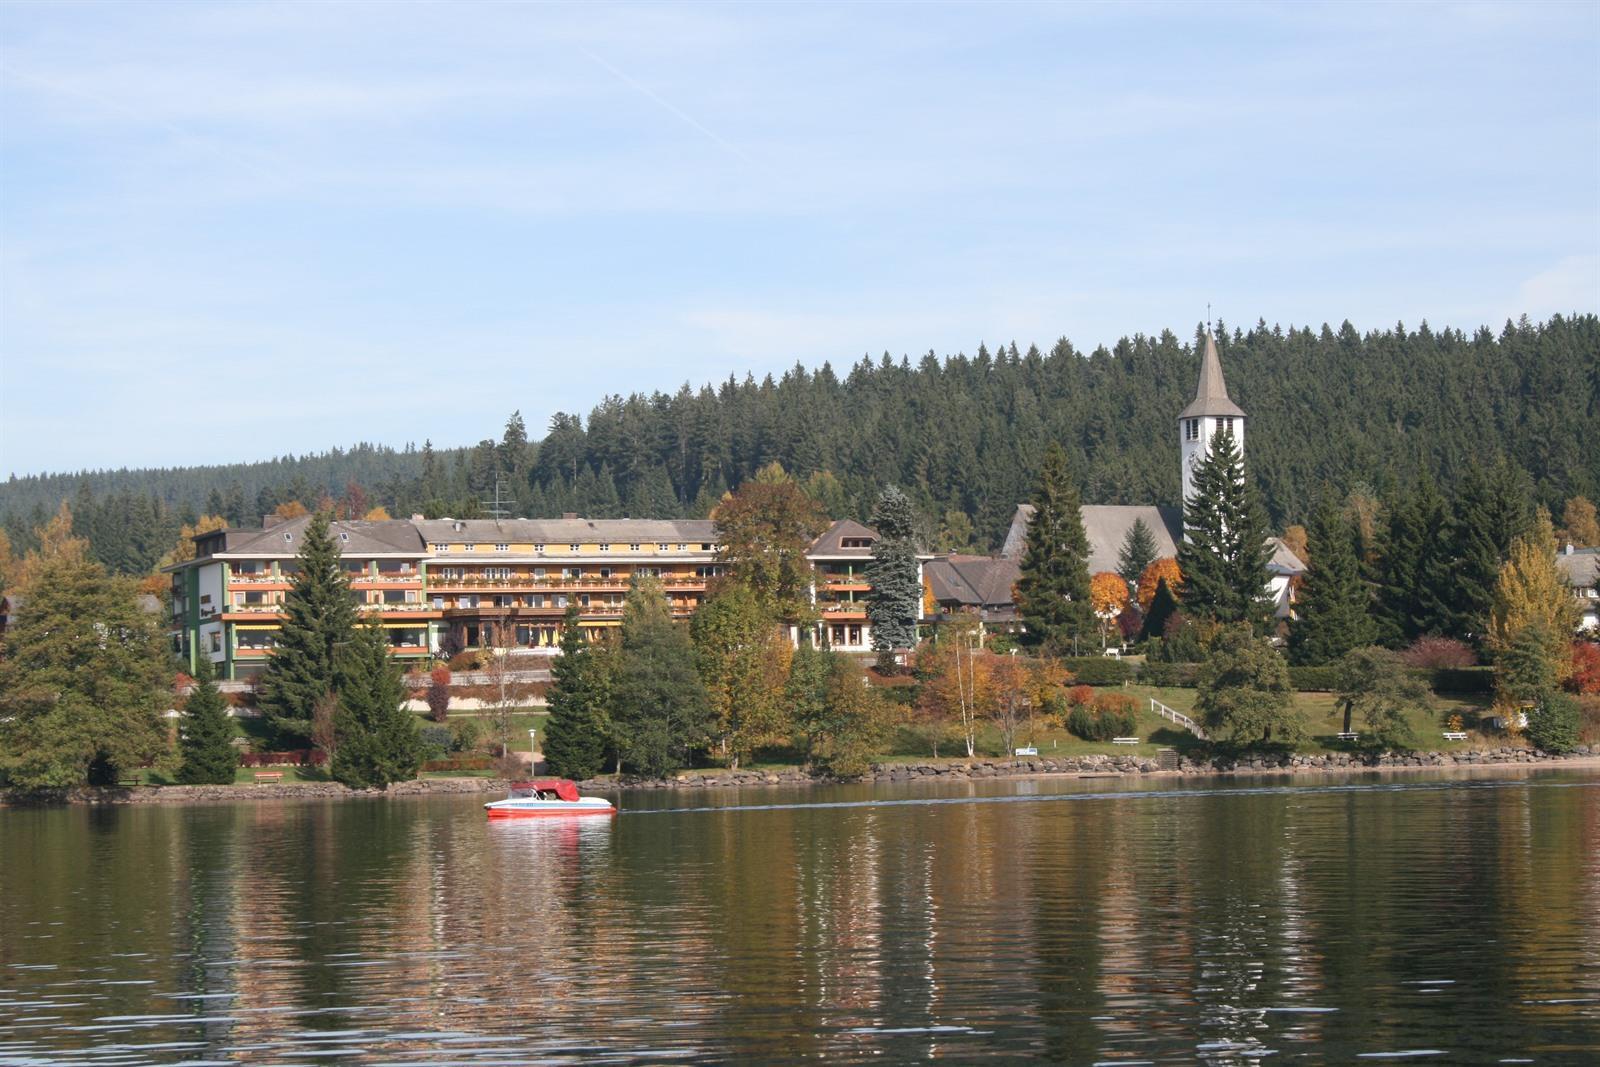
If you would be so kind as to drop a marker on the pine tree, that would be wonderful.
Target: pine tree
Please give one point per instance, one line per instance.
(1491, 509)
(896, 593)
(205, 733)
(83, 680)
(1053, 589)
(318, 619)
(657, 702)
(576, 734)
(1138, 552)
(1224, 553)
(1335, 609)
(1162, 607)
(375, 737)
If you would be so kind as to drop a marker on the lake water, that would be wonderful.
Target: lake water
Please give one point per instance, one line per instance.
(1075, 921)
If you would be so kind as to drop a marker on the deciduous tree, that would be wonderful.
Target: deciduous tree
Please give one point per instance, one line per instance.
(743, 658)
(1244, 692)
(1532, 617)
(764, 531)
(1375, 684)
(1160, 570)
(83, 680)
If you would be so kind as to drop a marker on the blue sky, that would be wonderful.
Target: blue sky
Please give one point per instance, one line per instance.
(391, 223)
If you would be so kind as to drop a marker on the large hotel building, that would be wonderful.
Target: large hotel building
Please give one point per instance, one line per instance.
(440, 585)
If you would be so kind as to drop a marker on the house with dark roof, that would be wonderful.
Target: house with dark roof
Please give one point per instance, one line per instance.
(1581, 568)
(982, 586)
(839, 560)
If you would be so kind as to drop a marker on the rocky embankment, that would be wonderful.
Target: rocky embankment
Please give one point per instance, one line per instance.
(203, 794)
(960, 770)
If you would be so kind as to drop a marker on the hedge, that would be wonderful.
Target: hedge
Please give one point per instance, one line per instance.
(1459, 679)
(1314, 679)
(1169, 675)
(1098, 670)
(460, 763)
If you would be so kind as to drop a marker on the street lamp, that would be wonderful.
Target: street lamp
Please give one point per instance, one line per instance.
(533, 748)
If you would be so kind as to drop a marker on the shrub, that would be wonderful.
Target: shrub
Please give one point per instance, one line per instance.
(1314, 679)
(436, 741)
(465, 735)
(1111, 715)
(1460, 679)
(439, 694)
(1079, 695)
(1553, 726)
(1589, 720)
(1098, 670)
(1439, 652)
(1585, 678)
(466, 661)
(1174, 675)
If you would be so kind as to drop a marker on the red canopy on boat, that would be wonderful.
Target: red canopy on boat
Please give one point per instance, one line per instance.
(559, 786)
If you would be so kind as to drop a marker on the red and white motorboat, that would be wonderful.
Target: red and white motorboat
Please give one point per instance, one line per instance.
(544, 797)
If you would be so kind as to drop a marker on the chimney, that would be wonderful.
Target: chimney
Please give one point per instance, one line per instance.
(269, 521)
(569, 514)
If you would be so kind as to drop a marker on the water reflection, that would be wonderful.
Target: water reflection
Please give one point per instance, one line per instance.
(1064, 920)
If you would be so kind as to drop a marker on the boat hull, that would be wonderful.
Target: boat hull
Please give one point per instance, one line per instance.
(549, 809)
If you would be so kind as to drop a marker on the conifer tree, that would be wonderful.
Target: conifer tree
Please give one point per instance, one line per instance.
(205, 733)
(1490, 510)
(1053, 589)
(576, 735)
(1138, 552)
(1224, 553)
(1334, 608)
(658, 705)
(318, 620)
(376, 739)
(896, 593)
(1162, 607)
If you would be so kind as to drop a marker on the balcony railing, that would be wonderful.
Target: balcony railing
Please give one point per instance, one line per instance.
(843, 607)
(250, 578)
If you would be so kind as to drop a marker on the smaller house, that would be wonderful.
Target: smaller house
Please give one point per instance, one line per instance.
(1582, 569)
(982, 586)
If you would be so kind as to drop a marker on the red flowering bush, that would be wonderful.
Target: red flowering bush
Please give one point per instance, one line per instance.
(1438, 652)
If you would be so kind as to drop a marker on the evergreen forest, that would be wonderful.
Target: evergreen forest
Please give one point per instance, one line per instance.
(1331, 411)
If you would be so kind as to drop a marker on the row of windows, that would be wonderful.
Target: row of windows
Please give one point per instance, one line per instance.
(445, 574)
(1191, 427)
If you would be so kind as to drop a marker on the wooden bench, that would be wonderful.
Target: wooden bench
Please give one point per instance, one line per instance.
(1455, 735)
(1348, 735)
(268, 776)
(1125, 740)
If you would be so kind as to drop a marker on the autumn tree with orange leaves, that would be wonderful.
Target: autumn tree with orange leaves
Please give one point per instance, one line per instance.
(1165, 567)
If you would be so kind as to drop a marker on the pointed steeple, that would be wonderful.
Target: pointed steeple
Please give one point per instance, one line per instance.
(1211, 395)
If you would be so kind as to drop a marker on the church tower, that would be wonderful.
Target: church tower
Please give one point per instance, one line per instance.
(1209, 412)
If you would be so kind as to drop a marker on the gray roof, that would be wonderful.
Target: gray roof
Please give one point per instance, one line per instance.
(972, 581)
(568, 531)
(831, 543)
(1581, 566)
(1211, 394)
(359, 537)
(1107, 525)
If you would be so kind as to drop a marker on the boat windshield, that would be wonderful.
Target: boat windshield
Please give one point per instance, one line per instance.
(545, 789)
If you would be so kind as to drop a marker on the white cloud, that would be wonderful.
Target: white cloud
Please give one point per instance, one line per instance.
(1571, 285)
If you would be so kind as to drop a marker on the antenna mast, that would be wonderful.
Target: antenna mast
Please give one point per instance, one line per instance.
(496, 509)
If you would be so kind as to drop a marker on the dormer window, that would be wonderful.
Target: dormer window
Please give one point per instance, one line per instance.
(288, 537)
(344, 536)
(502, 548)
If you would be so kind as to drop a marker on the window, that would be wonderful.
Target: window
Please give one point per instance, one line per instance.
(683, 548)
(355, 566)
(288, 537)
(470, 547)
(706, 547)
(441, 548)
(497, 572)
(1191, 429)
(502, 548)
(536, 601)
(605, 572)
(709, 571)
(583, 600)
(538, 572)
(343, 536)
(1227, 423)
(561, 600)
(661, 548)
(605, 548)
(538, 548)
(394, 596)
(573, 547)
(633, 548)
(216, 640)
(572, 572)
(438, 603)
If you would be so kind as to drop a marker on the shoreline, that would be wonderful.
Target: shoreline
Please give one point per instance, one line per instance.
(1323, 768)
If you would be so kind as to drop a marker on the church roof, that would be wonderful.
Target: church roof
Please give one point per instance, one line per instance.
(1211, 394)
(1106, 526)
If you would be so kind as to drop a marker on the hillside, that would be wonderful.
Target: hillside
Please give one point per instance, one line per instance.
(965, 434)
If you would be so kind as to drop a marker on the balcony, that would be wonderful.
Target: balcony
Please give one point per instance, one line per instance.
(253, 609)
(262, 578)
(843, 608)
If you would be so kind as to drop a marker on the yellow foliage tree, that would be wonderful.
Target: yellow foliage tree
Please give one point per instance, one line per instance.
(1295, 540)
(1108, 593)
(378, 514)
(8, 562)
(1165, 567)
(183, 551)
(293, 509)
(1579, 523)
(1532, 594)
(56, 543)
